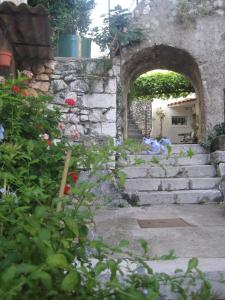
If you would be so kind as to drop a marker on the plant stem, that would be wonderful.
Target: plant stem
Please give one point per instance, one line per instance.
(64, 177)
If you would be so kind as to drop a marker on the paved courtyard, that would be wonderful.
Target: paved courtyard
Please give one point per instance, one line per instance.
(204, 239)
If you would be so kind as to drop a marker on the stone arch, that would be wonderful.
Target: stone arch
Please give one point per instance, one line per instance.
(194, 47)
(162, 57)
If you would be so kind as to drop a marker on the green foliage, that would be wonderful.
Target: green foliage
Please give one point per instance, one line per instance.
(115, 33)
(67, 15)
(188, 11)
(217, 130)
(160, 85)
(46, 253)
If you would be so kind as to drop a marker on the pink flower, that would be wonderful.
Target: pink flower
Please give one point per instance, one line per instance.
(2, 79)
(27, 73)
(61, 126)
(45, 137)
(70, 102)
(75, 134)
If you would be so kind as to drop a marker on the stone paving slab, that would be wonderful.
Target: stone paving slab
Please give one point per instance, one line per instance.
(205, 239)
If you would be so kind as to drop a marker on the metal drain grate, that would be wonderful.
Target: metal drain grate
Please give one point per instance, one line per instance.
(163, 223)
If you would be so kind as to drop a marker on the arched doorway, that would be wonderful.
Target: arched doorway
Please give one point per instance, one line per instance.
(161, 57)
(163, 103)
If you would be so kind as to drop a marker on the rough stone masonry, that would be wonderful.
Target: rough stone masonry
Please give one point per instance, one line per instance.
(94, 87)
(183, 36)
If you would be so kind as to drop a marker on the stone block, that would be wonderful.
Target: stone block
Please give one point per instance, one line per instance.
(55, 77)
(218, 143)
(84, 112)
(48, 71)
(218, 157)
(221, 169)
(69, 78)
(41, 86)
(59, 85)
(38, 69)
(42, 77)
(71, 118)
(111, 86)
(95, 116)
(72, 95)
(83, 118)
(99, 100)
(111, 115)
(96, 86)
(79, 86)
(50, 64)
(109, 129)
(96, 129)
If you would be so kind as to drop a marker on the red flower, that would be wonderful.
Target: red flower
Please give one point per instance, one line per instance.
(15, 89)
(74, 176)
(67, 189)
(70, 102)
(49, 142)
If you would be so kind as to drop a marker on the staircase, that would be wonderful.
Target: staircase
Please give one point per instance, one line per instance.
(133, 131)
(174, 180)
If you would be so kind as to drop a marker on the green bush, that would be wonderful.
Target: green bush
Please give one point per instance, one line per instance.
(160, 85)
(217, 130)
(46, 253)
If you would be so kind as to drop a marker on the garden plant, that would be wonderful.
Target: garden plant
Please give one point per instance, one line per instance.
(45, 249)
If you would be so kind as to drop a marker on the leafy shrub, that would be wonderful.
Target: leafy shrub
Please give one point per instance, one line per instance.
(160, 85)
(45, 252)
(115, 32)
(217, 130)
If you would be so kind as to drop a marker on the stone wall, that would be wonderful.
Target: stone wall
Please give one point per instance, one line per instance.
(189, 41)
(141, 113)
(93, 83)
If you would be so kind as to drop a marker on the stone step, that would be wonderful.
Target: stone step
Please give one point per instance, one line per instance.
(135, 136)
(132, 127)
(170, 171)
(197, 159)
(174, 197)
(131, 130)
(171, 184)
(177, 148)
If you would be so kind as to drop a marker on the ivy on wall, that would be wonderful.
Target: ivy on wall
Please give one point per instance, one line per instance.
(161, 85)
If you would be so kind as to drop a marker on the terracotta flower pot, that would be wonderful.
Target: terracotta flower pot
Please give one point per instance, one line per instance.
(5, 58)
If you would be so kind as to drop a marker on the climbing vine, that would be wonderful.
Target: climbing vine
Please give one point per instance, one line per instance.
(160, 85)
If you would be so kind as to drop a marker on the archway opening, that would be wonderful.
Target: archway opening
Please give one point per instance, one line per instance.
(165, 58)
(163, 103)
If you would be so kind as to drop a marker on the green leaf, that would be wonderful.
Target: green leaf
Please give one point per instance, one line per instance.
(70, 281)
(72, 225)
(123, 244)
(45, 278)
(144, 246)
(9, 274)
(57, 261)
(192, 264)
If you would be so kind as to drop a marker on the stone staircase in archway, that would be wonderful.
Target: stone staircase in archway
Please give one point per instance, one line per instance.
(133, 131)
(175, 180)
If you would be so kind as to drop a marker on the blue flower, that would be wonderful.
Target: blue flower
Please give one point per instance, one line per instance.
(1, 132)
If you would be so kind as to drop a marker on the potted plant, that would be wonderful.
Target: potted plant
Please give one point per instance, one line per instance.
(5, 58)
(66, 19)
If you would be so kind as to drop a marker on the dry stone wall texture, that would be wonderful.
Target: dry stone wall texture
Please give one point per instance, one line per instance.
(141, 113)
(92, 83)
